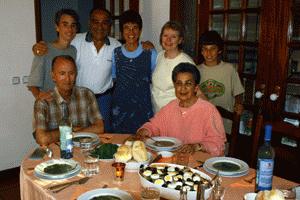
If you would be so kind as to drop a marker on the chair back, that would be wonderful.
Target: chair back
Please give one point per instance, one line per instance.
(233, 136)
(256, 139)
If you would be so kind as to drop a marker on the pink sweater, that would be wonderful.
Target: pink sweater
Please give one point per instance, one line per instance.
(200, 123)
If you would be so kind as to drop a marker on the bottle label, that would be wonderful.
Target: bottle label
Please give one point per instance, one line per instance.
(66, 144)
(265, 174)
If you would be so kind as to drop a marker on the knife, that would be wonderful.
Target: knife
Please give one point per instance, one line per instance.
(159, 156)
(79, 181)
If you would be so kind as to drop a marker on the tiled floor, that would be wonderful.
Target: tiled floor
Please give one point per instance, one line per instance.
(9, 184)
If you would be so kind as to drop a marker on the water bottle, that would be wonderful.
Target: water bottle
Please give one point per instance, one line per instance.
(65, 130)
(265, 163)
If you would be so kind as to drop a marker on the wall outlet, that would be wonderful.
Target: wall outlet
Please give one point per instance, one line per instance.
(25, 79)
(15, 80)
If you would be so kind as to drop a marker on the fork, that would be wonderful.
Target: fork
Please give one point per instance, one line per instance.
(65, 185)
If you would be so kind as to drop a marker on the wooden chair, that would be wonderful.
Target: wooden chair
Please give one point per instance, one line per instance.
(233, 136)
(257, 137)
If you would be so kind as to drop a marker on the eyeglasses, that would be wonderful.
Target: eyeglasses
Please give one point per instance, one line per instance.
(187, 84)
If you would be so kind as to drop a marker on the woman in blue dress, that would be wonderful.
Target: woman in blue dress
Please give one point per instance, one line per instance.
(131, 70)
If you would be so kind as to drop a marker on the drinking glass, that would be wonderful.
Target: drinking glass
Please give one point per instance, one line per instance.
(150, 193)
(218, 193)
(119, 171)
(89, 164)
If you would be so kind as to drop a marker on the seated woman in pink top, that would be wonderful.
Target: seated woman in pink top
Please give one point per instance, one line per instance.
(196, 122)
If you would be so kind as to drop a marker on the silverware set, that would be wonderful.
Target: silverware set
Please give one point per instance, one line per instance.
(60, 187)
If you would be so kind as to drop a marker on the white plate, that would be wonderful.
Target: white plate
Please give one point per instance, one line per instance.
(95, 138)
(102, 192)
(39, 169)
(173, 194)
(166, 154)
(151, 144)
(243, 167)
(231, 176)
(133, 166)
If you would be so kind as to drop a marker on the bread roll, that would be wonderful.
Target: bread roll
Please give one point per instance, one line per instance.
(269, 195)
(123, 154)
(139, 151)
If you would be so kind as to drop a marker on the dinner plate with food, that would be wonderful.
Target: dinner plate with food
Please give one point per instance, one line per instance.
(57, 169)
(227, 166)
(163, 143)
(105, 194)
(134, 154)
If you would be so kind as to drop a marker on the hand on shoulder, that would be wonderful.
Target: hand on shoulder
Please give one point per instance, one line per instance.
(40, 48)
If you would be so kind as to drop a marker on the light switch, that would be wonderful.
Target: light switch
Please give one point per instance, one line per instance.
(15, 80)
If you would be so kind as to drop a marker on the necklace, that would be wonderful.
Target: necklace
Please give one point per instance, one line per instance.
(183, 111)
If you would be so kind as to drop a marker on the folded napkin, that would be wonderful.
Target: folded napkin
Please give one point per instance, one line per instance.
(79, 191)
(246, 182)
(47, 183)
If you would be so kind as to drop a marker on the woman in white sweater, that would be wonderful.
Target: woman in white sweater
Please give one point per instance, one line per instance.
(171, 40)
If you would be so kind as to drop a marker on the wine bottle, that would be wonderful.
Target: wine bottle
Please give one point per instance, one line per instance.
(65, 130)
(265, 163)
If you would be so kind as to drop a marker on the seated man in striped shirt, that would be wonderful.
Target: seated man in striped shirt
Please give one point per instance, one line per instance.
(194, 121)
(81, 102)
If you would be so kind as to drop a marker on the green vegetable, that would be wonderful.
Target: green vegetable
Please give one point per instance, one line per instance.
(226, 166)
(105, 151)
(58, 169)
(106, 197)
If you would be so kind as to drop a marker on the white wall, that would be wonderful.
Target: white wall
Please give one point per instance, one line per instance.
(17, 34)
(155, 14)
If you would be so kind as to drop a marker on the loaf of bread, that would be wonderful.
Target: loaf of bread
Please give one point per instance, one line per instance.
(139, 151)
(123, 154)
(270, 195)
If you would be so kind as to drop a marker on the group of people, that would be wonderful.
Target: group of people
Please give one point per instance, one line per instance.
(129, 88)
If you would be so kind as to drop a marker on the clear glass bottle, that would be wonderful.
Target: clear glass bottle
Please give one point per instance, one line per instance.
(265, 163)
(183, 194)
(65, 130)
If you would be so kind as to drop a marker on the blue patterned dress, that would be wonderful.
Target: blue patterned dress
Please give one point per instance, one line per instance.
(131, 100)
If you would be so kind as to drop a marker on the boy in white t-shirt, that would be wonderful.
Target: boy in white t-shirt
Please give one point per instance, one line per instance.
(220, 81)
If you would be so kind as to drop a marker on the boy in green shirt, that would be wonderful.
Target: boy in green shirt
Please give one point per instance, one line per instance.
(220, 81)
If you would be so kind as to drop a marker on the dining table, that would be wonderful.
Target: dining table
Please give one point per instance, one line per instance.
(32, 187)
